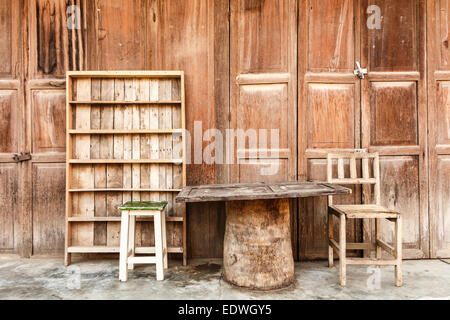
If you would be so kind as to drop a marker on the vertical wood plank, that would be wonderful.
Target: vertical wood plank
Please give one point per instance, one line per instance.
(341, 168)
(100, 229)
(113, 172)
(83, 234)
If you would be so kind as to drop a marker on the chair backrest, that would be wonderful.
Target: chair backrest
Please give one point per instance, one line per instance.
(370, 170)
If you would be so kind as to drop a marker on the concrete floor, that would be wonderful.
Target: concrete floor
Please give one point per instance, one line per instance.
(98, 279)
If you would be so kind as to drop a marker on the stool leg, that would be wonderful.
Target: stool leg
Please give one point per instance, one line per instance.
(342, 251)
(330, 236)
(158, 248)
(123, 272)
(164, 238)
(378, 237)
(131, 239)
(398, 252)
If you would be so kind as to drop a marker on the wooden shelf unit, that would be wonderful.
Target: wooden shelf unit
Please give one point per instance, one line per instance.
(125, 141)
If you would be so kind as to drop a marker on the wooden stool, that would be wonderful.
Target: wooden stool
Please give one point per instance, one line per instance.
(362, 211)
(130, 211)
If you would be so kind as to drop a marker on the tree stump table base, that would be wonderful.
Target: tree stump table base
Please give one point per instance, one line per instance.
(257, 245)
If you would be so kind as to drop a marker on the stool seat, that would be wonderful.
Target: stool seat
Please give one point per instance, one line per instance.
(131, 210)
(143, 206)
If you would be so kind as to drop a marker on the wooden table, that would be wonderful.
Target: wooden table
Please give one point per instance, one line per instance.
(257, 244)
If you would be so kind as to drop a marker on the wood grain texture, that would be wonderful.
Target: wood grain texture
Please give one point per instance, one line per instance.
(257, 245)
(258, 191)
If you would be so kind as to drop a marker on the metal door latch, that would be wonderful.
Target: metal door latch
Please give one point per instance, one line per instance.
(22, 157)
(360, 72)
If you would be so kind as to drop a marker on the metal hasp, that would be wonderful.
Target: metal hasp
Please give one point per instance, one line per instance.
(22, 157)
(360, 72)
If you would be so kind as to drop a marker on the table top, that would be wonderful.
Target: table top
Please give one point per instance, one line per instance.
(258, 191)
(143, 205)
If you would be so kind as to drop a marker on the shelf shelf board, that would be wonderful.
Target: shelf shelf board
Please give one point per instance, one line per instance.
(126, 161)
(117, 219)
(117, 131)
(126, 74)
(101, 249)
(177, 102)
(123, 190)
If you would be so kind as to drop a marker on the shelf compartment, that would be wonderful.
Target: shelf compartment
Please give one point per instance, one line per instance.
(117, 219)
(101, 249)
(123, 190)
(126, 161)
(127, 132)
(176, 102)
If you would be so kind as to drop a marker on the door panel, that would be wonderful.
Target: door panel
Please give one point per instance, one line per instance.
(9, 116)
(331, 35)
(394, 46)
(116, 34)
(400, 182)
(394, 121)
(393, 113)
(439, 126)
(6, 26)
(8, 206)
(48, 208)
(49, 131)
(331, 115)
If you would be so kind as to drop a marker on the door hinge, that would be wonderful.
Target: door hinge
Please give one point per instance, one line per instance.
(22, 157)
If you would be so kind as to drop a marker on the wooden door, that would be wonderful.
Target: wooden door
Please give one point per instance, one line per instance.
(11, 139)
(439, 126)
(263, 87)
(384, 112)
(394, 115)
(53, 49)
(329, 108)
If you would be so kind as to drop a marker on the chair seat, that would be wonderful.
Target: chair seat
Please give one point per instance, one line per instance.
(362, 211)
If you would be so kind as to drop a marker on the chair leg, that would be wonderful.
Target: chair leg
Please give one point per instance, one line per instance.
(164, 239)
(330, 236)
(378, 236)
(398, 252)
(342, 251)
(158, 247)
(131, 239)
(123, 271)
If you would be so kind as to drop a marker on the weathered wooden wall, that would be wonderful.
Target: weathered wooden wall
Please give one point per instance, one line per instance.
(248, 63)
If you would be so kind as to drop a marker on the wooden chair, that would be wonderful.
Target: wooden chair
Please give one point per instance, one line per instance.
(130, 211)
(361, 211)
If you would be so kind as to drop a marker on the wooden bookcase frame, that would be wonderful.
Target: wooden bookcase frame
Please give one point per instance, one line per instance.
(79, 112)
